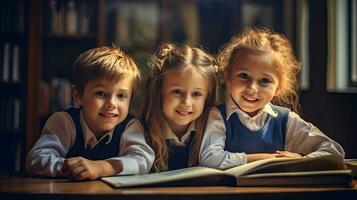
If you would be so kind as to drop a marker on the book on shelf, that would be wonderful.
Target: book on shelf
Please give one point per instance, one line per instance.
(6, 63)
(68, 18)
(10, 60)
(10, 113)
(318, 171)
(352, 165)
(15, 64)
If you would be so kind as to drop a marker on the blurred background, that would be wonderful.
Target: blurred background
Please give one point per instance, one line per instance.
(39, 40)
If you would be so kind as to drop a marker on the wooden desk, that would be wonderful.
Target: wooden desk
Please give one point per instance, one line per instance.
(16, 187)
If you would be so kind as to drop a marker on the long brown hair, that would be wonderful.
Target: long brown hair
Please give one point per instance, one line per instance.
(182, 58)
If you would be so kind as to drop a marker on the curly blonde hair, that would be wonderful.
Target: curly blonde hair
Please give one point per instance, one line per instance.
(181, 58)
(260, 41)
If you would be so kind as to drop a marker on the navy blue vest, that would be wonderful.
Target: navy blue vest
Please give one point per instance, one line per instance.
(179, 154)
(270, 138)
(100, 151)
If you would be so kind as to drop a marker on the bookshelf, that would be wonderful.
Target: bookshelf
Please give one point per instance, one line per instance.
(69, 28)
(33, 53)
(341, 47)
(13, 56)
(57, 31)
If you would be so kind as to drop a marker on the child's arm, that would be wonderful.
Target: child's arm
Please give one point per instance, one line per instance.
(259, 156)
(47, 155)
(306, 139)
(135, 156)
(212, 153)
(79, 168)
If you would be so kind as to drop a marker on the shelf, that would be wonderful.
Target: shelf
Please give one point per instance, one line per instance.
(13, 89)
(12, 85)
(12, 134)
(18, 38)
(14, 39)
(55, 36)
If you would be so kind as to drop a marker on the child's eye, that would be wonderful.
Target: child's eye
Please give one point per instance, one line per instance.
(243, 76)
(122, 96)
(100, 93)
(265, 81)
(196, 94)
(177, 92)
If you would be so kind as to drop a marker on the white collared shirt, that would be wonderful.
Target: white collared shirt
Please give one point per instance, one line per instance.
(170, 135)
(59, 134)
(301, 137)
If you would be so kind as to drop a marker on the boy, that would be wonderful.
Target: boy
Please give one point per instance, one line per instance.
(99, 138)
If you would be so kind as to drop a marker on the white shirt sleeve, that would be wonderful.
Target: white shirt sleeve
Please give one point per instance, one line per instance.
(304, 138)
(212, 153)
(47, 155)
(135, 154)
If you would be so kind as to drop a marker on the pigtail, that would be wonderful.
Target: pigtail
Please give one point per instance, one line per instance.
(154, 118)
(160, 56)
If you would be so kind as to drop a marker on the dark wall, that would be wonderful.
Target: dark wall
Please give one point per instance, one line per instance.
(333, 113)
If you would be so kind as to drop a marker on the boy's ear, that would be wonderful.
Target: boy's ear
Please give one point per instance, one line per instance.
(77, 97)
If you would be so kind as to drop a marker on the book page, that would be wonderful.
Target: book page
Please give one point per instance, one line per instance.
(275, 165)
(246, 168)
(174, 175)
(309, 178)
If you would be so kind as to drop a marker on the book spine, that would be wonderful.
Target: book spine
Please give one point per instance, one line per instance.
(6, 63)
(15, 64)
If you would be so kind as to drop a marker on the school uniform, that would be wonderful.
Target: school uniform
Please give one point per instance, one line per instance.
(179, 148)
(273, 128)
(66, 134)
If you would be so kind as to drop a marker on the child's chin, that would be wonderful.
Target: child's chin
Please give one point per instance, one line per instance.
(108, 128)
(249, 110)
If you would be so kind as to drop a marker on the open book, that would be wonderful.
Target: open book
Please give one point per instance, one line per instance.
(319, 171)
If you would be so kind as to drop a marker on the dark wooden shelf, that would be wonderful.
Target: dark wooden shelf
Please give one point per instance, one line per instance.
(18, 38)
(14, 89)
(56, 36)
(12, 133)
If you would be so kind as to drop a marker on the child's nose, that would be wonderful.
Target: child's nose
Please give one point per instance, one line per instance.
(252, 87)
(186, 99)
(110, 102)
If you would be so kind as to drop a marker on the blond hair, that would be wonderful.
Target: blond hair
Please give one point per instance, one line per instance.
(182, 58)
(100, 63)
(260, 41)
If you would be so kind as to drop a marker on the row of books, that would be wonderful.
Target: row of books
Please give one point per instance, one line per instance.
(10, 62)
(10, 114)
(12, 16)
(55, 96)
(68, 17)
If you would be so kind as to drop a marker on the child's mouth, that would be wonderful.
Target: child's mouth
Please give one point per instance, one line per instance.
(183, 113)
(250, 100)
(108, 115)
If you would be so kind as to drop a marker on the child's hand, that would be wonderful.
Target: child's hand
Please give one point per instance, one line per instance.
(287, 154)
(79, 168)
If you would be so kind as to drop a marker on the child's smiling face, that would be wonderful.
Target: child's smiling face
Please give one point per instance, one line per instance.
(105, 104)
(183, 98)
(253, 81)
